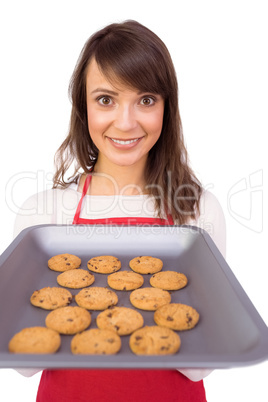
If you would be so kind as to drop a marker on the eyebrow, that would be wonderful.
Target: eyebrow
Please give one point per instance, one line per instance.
(104, 90)
(110, 92)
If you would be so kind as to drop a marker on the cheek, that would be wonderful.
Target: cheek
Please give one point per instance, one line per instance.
(96, 122)
(155, 123)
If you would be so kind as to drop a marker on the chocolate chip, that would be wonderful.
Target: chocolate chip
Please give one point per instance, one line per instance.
(138, 338)
(70, 319)
(110, 340)
(67, 263)
(189, 318)
(109, 315)
(170, 318)
(165, 348)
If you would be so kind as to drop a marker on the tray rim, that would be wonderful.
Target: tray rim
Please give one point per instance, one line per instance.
(256, 356)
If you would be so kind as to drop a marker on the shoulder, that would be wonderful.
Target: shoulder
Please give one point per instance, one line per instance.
(54, 206)
(209, 204)
(42, 201)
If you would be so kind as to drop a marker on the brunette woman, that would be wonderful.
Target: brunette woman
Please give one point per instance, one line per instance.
(128, 164)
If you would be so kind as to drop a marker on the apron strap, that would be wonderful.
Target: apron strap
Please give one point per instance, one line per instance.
(79, 206)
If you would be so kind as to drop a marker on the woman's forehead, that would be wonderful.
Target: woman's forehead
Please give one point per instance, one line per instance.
(97, 81)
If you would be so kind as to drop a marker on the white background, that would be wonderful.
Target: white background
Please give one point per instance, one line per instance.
(219, 49)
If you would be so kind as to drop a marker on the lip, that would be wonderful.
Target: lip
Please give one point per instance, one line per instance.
(128, 142)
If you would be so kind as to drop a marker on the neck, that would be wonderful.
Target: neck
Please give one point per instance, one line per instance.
(111, 179)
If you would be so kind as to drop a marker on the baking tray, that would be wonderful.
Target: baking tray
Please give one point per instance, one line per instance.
(230, 332)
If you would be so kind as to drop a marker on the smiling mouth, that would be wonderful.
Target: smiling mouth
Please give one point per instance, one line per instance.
(126, 142)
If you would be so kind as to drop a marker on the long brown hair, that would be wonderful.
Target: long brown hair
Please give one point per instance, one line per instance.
(133, 55)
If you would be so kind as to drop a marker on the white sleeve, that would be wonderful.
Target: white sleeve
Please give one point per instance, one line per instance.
(28, 372)
(55, 206)
(36, 210)
(212, 220)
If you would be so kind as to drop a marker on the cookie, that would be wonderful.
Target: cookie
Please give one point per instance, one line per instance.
(68, 320)
(96, 298)
(64, 262)
(122, 320)
(75, 279)
(176, 316)
(146, 265)
(96, 341)
(149, 298)
(125, 280)
(39, 340)
(168, 280)
(51, 298)
(154, 340)
(104, 264)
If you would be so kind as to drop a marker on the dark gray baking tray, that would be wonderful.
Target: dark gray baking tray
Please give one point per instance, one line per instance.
(230, 332)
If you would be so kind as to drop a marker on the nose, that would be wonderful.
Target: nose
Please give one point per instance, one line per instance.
(125, 119)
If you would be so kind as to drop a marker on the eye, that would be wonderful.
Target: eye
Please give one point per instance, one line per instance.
(148, 101)
(104, 100)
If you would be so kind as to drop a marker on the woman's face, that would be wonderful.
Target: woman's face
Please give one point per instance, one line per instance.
(124, 123)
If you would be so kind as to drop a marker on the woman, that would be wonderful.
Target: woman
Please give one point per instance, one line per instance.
(126, 137)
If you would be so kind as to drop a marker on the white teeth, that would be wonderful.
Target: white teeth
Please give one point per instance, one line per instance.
(124, 142)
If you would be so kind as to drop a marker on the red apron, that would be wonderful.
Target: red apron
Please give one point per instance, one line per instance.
(118, 385)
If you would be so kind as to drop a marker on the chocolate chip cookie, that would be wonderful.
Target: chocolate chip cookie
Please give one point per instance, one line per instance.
(177, 316)
(168, 280)
(64, 262)
(75, 279)
(122, 320)
(96, 341)
(146, 264)
(125, 280)
(104, 264)
(154, 340)
(96, 298)
(39, 340)
(51, 298)
(68, 320)
(149, 298)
